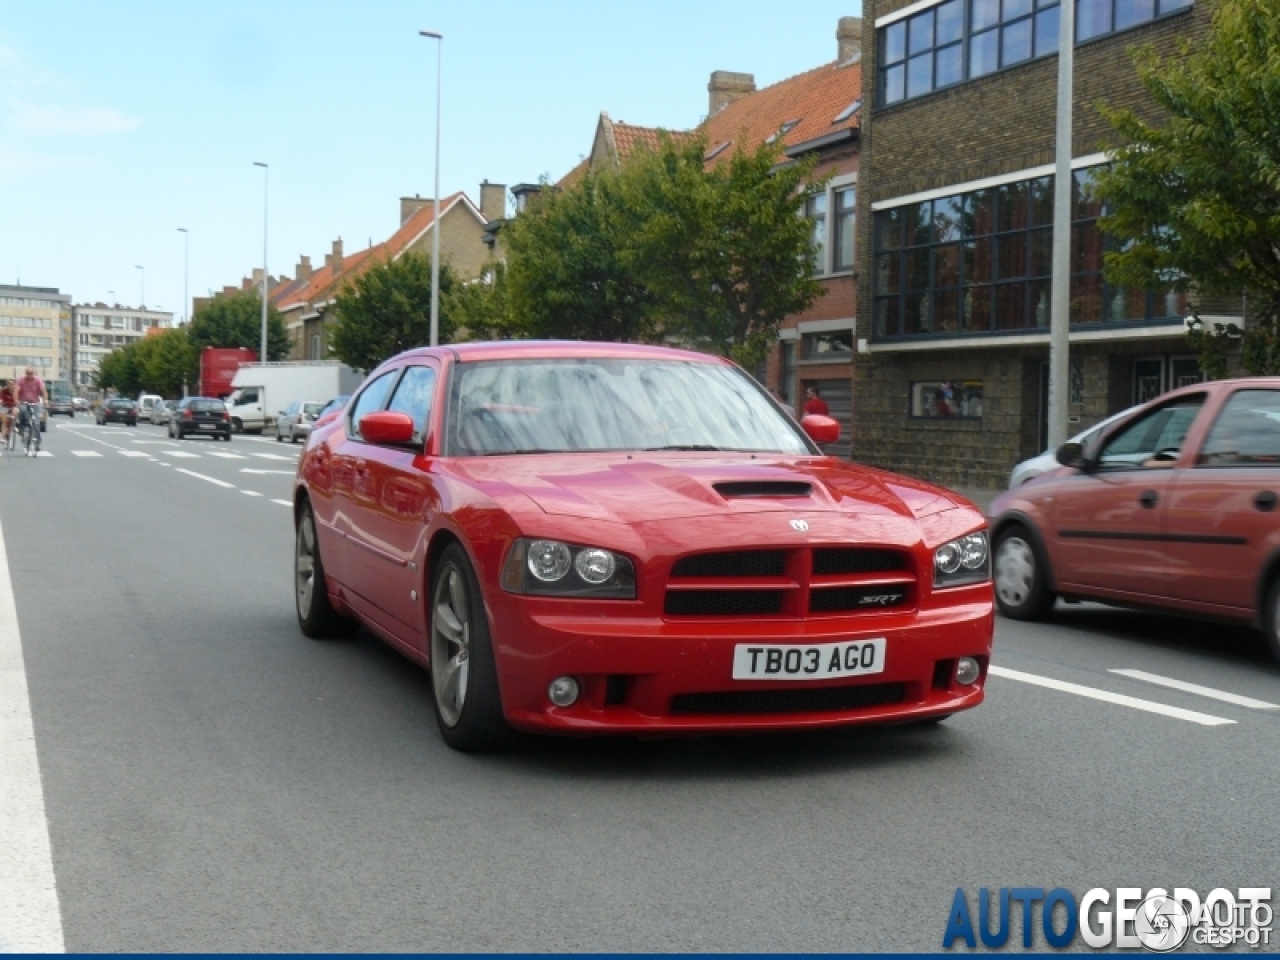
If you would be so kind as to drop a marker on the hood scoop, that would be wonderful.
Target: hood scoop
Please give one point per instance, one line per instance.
(738, 489)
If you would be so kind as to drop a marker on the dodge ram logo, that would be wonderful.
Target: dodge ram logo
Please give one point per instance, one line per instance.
(800, 525)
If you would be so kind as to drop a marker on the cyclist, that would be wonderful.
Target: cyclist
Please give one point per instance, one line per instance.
(31, 393)
(7, 404)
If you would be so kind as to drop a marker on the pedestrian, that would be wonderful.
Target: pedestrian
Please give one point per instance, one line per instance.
(814, 404)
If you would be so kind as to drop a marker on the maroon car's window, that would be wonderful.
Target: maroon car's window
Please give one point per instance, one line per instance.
(1153, 440)
(413, 396)
(1246, 433)
(371, 399)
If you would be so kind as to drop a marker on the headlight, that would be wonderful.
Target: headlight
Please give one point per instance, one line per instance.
(549, 568)
(962, 561)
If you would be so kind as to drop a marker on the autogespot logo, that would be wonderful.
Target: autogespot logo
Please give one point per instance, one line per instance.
(1157, 920)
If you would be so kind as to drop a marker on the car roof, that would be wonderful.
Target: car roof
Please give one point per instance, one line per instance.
(556, 349)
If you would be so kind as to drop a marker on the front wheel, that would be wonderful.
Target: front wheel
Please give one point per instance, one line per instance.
(316, 616)
(1271, 620)
(464, 677)
(1021, 576)
(236, 426)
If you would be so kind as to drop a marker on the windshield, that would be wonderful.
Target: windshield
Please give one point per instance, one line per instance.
(207, 406)
(337, 403)
(568, 406)
(311, 409)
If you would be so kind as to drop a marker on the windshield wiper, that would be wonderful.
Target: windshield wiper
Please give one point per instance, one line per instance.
(685, 446)
(516, 453)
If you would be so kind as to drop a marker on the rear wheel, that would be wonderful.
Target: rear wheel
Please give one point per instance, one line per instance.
(1021, 576)
(236, 426)
(316, 616)
(464, 676)
(1271, 620)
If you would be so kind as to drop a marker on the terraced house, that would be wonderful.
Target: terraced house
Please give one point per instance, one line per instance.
(956, 233)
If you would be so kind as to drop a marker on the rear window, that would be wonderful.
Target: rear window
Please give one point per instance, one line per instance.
(120, 404)
(207, 406)
(312, 408)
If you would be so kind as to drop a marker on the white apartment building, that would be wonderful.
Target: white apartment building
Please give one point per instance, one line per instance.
(33, 321)
(99, 329)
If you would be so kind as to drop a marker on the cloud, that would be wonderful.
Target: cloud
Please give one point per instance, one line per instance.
(43, 104)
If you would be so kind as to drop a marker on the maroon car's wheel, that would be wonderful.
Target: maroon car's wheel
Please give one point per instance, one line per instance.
(464, 677)
(316, 615)
(1021, 576)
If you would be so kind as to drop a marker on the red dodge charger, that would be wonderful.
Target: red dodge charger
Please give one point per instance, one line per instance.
(607, 538)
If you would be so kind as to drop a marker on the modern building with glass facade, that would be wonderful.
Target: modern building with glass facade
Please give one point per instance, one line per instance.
(955, 233)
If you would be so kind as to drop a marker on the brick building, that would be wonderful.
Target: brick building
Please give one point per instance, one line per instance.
(956, 233)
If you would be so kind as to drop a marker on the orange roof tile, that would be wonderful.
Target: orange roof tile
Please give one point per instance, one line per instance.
(627, 138)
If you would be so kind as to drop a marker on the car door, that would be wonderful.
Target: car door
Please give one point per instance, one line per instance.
(1223, 520)
(390, 525)
(1108, 535)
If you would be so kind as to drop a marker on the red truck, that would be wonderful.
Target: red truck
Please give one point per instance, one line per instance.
(218, 366)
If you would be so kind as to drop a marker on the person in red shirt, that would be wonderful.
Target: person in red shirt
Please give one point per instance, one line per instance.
(814, 404)
(7, 403)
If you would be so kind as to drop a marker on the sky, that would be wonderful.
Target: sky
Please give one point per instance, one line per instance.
(123, 120)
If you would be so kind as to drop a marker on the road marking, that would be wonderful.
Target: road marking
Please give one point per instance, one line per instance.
(1195, 688)
(183, 454)
(163, 464)
(251, 493)
(29, 916)
(227, 456)
(283, 503)
(1093, 693)
(85, 453)
(283, 473)
(134, 453)
(201, 476)
(272, 456)
(43, 453)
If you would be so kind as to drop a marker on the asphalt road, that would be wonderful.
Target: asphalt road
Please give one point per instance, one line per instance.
(214, 781)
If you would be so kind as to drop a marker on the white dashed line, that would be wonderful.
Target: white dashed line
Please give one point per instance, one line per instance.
(273, 456)
(1093, 693)
(1198, 690)
(282, 473)
(134, 453)
(182, 454)
(227, 456)
(201, 476)
(251, 493)
(85, 453)
(43, 453)
(283, 503)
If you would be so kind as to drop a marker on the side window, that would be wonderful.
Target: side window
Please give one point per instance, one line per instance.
(1153, 440)
(371, 399)
(249, 395)
(413, 396)
(1246, 433)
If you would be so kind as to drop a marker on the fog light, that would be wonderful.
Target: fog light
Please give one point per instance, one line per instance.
(563, 691)
(967, 670)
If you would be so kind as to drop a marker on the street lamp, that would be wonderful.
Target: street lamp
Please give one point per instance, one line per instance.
(1060, 288)
(435, 203)
(143, 304)
(186, 274)
(262, 357)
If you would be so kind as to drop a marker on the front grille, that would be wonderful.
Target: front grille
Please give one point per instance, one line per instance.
(723, 603)
(822, 700)
(837, 560)
(864, 599)
(762, 488)
(743, 563)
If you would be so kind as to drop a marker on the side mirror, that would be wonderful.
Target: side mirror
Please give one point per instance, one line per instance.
(1071, 455)
(821, 430)
(388, 427)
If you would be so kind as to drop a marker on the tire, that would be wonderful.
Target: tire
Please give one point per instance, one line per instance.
(464, 676)
(279, 439)
(316, 617)
(237, 426)
(1020, 575)
(1271, 620)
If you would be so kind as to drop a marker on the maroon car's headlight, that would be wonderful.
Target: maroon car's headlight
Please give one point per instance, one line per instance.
(549, 568)
(963, 561)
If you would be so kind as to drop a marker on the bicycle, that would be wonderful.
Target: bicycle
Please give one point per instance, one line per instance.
(30, 426)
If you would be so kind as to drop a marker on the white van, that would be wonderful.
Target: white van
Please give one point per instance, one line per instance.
(145, 402)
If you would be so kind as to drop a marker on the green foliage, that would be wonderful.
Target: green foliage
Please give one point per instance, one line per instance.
(120, 371)
(158, 364)
(236, 321)
(1195, 199)
(483, 307)
(387, 310)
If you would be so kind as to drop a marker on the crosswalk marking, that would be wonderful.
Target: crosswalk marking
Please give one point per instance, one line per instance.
(134, 453)
(201, 476)
(1093, 693)
(43, 453)
(1212, 694)
(227, 456)
(182, 454)
(283, 503)
(272, 456)
(85, 453)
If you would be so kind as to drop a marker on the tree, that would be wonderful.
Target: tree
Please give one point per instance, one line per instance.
(235, 320)
(483, 307)
(725, 250)
(571, 272)
(387, 309)
(169, 362)
(1194, 201)
(121, 371)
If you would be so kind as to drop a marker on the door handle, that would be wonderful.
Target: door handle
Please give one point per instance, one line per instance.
(1265, 500)
(1148, 499)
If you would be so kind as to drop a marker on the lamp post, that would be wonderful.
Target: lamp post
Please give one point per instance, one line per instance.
(435, 203)
(143, 288)
(1060, 289)
(262, 356)
(186, 274)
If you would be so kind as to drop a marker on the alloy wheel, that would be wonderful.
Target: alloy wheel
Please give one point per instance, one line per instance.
(1015, 571)
(305, 565)
(450, 644)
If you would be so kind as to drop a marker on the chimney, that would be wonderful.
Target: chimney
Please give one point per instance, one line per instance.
(334, 259)
(849, 40)
(726, 87)
(411, 205)
(493, 200)
(303, 272)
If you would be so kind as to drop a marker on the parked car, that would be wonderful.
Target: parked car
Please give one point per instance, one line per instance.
(1173, 506)
(1029, 469)
(200, 416)
(118, 410)
(628, 561)
(329, 412)
(60, 403)
(162, 411)
(296, 420)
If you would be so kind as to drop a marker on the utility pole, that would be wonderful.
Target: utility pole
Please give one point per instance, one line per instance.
(186, 275)
(435, 208)
(1060, 306)
(262, 356)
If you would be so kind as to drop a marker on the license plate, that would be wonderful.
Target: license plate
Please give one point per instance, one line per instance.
(208, 426)
(818, 661)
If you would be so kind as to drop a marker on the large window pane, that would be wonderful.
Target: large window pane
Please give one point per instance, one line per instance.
(1047, 31)
(1125, 303)
(917, 269)
(915, 314)
(1012, 253)
(1093, 19)
(886, 314)
(1012, 204)
(1013, 9)
(1011, 306)
(986, 13)
(1042, 252)
(920, 32)
(1170, 303)
(948, 213)
(1132, 12)
(895, 42)
(950, 24)
(1086, 248)
(895, 83)
(889, 273)
(978, 261)
(984, 53)
(946, 265)
(1086, 298)
(889, 229)
(917, 221)
(1041, 292)
(948, 65)
(1015, 43)
(1041, 201)
(842, 236)
(977, 309)
(980, 213)
(946, 311)
(1084, 202)
(920, 75)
